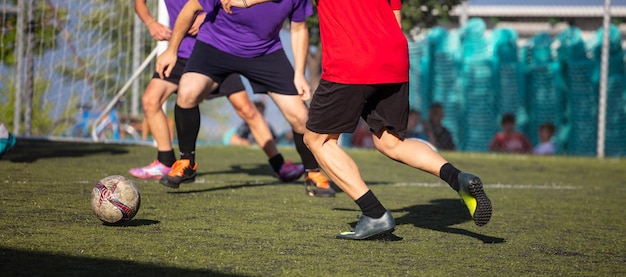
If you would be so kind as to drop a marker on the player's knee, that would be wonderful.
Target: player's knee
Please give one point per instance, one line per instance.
(150, 104)
(386, 143)
(187, 97)
(248, 113)
(297, 121)
(311, 139)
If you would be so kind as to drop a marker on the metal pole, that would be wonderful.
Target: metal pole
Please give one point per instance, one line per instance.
(163, 18)
(19, 55)
(137, 26)
(29, 88)
(604, 73)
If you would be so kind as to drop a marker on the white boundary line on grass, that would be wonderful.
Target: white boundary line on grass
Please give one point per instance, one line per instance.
(495, 186)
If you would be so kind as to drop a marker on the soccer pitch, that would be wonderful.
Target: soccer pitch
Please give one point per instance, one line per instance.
(553, 216)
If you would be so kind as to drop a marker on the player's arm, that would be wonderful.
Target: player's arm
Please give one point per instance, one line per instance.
(157, 30)
(166, 61)
(227, 5)
(396, 6)
(195, 27)
(300, 47)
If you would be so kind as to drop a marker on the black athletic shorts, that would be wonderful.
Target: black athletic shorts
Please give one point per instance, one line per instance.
(230, 85)
(335, 108)
(272, 72)
(176, 73)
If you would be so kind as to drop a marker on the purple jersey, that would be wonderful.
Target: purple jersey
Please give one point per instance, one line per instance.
(250, 32)
(173, 9)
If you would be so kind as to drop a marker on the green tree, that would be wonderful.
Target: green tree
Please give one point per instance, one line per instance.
(45, 31)
(41, 122)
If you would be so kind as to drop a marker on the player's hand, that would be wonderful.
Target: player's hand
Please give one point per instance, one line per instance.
(195, 27)
(165, 63)
(158, 31)
(227, 5)
(303, 87)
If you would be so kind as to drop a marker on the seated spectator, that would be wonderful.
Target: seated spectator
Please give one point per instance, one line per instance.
(438, 135)
(416, 126)
(508, 140)
(242, 135)
(362, 136)
(7, 140)
(545, 146)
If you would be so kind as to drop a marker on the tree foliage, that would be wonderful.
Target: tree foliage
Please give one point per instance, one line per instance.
(45, 30)
(426, 13)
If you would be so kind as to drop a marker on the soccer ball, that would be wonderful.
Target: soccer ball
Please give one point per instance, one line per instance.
(115, 199)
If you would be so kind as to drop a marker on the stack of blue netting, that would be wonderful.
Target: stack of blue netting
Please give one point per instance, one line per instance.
(418, 75)
(615, 130)
(544, 99)
(479, 119)
(582, 96)
(509, 74)
(443, 74)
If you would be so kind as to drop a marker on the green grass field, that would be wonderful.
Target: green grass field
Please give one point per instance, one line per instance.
(553, 216)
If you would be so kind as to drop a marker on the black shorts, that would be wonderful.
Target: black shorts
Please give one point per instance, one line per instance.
(176, 73)
(230, 85)
(335, 108)
(272, 72)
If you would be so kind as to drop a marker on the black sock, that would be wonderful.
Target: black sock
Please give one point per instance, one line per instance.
(166, 157)
(277, 162)
(308, 160)
(450, 174)
(187, 128)
(189, 156)
(370, 206)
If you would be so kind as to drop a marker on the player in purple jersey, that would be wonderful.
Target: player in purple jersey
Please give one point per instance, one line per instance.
(246, 42)
(159, 90)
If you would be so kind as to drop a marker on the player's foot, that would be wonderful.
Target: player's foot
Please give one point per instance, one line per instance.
(290, 172)
(182, 172)
(155, 170)
(474, 197)
(370, 227)
(316, 184)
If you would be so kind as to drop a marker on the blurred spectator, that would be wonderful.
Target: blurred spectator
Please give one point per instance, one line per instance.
(242, 135)
(362, 136)
(437, 134)
(416, 126)
(508, 140)
(545, 146)
(285, 138)
(7, 140)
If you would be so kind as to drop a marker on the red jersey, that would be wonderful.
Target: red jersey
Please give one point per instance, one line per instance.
(362, 42)
(511, 143)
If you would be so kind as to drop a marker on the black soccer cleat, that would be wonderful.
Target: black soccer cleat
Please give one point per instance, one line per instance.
(474, 197)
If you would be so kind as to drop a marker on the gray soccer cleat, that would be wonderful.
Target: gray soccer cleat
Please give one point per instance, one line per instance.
(370, 227)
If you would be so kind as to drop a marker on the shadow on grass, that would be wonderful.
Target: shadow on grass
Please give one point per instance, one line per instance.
(235, 185)
(31, 263)
(250, 169)
(31, 150)
(257, 170)
(133, 223)
(440, 215)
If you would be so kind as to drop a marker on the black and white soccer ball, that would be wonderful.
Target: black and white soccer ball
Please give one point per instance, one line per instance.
(115, 199)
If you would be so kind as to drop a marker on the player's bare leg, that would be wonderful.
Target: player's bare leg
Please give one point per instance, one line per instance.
(258, 126)
(296, 113)
(285, 170)
(152, 100)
